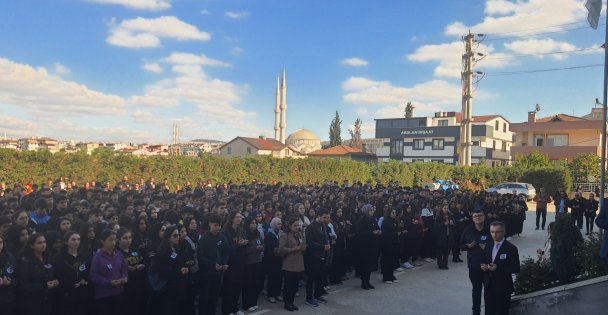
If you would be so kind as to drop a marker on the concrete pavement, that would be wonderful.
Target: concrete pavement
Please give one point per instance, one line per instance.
(422, 290)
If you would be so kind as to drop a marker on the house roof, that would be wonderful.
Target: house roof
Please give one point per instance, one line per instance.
(560, 117)
(482, 118)
(337, 150)
(261, 143)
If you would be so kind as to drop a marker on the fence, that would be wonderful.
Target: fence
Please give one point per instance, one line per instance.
(588, 187)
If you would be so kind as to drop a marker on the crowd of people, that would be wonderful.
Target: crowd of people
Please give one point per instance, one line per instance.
(149, 248)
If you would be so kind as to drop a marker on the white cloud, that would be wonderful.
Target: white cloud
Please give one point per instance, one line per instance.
(449, 57)
(35, 89)
(237, 51)
(540, 46)
(61, 69)
(145, 33)
(139, 4)
(17, 126)
(355, 62)
(531, 15)
(205, 12)
(179, 58)
(365, 91)
(152, 67)
(236, 15)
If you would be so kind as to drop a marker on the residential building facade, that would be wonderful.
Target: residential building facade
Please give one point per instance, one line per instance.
(560, 137)
(437, 139)
(244, 146)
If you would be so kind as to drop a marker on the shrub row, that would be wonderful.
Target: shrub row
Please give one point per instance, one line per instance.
(106, 166)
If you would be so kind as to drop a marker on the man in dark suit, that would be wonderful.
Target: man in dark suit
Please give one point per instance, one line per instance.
(501, 260)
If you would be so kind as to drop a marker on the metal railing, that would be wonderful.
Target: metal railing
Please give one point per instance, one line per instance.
(588, 187)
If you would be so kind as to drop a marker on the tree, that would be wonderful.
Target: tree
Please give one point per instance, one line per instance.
(335, 131)
(585, 165)
(409, 110)
(355, 134)
(533, 160)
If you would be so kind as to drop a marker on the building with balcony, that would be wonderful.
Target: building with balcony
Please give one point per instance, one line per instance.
(560, 137)
(437, 139)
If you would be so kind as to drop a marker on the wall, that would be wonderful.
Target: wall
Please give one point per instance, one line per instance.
(585, 297)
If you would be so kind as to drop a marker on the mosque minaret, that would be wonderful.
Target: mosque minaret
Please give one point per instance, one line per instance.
(277, 113)
(280, 110)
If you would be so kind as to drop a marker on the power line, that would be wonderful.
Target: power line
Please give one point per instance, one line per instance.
(538, 34)
(496, 74)
(536, 28)
(542, 54)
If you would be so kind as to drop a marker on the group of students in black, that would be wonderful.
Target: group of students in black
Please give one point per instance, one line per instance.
(205, 249)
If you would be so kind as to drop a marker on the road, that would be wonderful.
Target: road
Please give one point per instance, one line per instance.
(422, 290)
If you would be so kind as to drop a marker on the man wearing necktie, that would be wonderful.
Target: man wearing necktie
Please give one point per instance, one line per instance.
(501, 260)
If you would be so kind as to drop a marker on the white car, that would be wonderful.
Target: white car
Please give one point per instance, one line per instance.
(514, 188)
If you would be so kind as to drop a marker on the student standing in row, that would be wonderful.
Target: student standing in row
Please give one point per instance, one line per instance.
(291, 247)
(212, 253)
(72, 271)
(36, 278)
(8, 281)
(109, 275)
(368, 233)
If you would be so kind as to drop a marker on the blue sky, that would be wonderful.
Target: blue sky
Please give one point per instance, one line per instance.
(126, 70)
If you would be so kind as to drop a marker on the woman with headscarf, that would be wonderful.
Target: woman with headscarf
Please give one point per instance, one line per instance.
(272, 262)
(368, 233)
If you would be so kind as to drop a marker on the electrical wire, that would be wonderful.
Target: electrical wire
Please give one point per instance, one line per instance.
(538, 34)
(496, 74)
(537, 28)
(542, 54)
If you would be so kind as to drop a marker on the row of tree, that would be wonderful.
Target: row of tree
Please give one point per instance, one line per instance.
(107, 166)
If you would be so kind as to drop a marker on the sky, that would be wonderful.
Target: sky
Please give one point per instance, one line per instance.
(127, 70)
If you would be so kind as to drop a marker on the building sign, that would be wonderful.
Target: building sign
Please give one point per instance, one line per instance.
(417, 132)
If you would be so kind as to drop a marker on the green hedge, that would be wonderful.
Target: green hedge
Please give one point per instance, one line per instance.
(106, 166)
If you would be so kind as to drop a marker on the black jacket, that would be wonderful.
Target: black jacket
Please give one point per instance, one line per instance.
(34, 297)
(507, 262)
(475, 255)
(69, 271)
(367, 242)
(316, 239)
(211, 250)
(8, 269)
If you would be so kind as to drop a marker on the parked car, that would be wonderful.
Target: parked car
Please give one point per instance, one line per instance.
(442, 184)
(514, 188)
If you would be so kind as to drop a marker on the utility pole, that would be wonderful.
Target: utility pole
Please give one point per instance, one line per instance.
(466, 141)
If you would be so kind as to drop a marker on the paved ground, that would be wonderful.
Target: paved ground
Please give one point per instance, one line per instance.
(422, 290)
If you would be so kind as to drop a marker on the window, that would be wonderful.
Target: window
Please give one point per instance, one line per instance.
(504, 127)
(396, 147)
(496, 125)
(418, 144)
(437, 160)
(229, 150)
(437, 144)
(504, 146)
(539, 140)
(493, 144)
(557, 140)
(417, 160)
(442, 122)
(248, 150)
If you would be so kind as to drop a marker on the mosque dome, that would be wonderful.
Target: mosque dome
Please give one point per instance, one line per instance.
(302, 134)
(304, 141)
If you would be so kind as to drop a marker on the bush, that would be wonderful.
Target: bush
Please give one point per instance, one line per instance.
(550, 178)
(591, 263)
(534, 276)
(565, 241)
